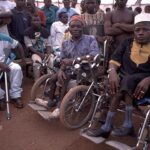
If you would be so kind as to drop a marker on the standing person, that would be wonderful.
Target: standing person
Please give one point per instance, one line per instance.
(32, 10)
(94, 20)
(138, 10)
(5, 12)
(58, 29)
(73, 3)
(108, 10)
(50, 11)
(119, 24)
(37, 40)
(82, 5)
(20, 21)
(14, 70)
(132, 83)
(67, 8)
(147, 9)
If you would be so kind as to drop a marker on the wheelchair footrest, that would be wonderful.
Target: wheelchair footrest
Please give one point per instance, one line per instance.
(36, 107)
(118, 145)
(44, 114)
(96, 140)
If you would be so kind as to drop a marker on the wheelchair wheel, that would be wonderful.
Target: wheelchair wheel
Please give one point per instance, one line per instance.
(69, 115)
(41, 87)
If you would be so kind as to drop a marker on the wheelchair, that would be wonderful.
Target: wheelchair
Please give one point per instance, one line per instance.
(41, 87)
(91, 94)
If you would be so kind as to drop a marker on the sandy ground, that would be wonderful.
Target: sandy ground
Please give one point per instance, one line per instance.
(28, 131)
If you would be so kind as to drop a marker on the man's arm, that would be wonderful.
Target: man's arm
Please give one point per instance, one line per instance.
(5, 14)
(109, 29)
(20, 49)
(125, 27)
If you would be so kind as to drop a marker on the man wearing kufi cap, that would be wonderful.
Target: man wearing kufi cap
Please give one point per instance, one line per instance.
(132, 60)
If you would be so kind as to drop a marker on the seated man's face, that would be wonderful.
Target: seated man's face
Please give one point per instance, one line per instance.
(64, 18)
(36, 22)
(142, 32)
(76, 28)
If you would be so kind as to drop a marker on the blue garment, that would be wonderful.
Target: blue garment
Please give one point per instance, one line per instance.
(20, 21)
(70, 11)
(4, 37)
(86, 45)
(50, 14)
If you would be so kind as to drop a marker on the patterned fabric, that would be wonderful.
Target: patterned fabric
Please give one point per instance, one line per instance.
(86, 45)
(140, 54)
(6, 42)
(39, 40)
(94, 23)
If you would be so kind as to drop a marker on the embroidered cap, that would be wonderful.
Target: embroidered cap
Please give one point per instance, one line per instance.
(143, 17)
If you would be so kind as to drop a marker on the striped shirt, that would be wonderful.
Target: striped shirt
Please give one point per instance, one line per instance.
(6, 42)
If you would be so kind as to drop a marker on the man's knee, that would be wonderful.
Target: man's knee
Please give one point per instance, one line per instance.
(16, 67)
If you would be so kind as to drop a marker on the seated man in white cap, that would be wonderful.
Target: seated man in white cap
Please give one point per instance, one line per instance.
(132, 61)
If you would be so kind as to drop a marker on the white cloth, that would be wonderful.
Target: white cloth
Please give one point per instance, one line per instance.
(143, 17)
(57, 34)
(15, 77)
(6, 42)
(15, 73)
(6, 6)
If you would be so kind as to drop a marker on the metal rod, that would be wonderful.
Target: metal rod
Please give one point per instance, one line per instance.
(7, 97)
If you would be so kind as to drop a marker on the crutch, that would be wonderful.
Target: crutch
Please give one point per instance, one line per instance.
(7, 53)
(7, 97)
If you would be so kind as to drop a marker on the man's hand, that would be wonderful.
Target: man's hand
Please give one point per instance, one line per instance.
(41, 55)
(61, 75)
(117, 25)
(113, 81)
(66, 62)
(4, 67)
(142, 88)
(23, 62)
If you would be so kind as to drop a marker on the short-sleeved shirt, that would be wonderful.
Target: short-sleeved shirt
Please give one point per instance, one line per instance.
(123, 58)
(86, 45)
(38, 40)
(20, 22)
(6, 42)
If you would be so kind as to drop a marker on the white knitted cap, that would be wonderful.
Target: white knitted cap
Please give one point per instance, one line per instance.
(142, 18)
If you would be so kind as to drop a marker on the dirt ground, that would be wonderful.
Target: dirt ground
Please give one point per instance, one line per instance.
(28, 131)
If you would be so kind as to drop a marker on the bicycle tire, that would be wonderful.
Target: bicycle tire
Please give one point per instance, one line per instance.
(71, 122)
(37, 84)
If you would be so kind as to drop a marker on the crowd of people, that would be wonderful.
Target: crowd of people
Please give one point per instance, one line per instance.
(69, 34)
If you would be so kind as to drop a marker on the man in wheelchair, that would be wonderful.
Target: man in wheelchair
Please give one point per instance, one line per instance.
(14, 70)
(37, 40)
(129, 77)
(79, 46)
